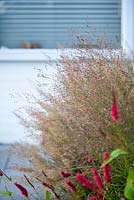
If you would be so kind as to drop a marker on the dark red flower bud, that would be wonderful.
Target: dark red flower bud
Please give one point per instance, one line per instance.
(71, 186)
(47, 185)
(65, 174)
(1, 173)
(23, 191)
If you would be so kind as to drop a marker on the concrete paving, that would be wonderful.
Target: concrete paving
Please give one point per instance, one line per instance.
(8, 159)
(4, 156)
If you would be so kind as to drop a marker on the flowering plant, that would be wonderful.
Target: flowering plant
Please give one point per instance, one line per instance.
(79, 185)
(75, 120)
(87, 182)
(98, 185)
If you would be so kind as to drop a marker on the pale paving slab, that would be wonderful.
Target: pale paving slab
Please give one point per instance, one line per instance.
(8, 159)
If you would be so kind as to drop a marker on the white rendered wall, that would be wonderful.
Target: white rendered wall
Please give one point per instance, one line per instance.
(19, 75)
(128, 26)
(17, 79)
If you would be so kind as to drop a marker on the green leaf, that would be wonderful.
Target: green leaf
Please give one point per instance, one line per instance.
(114, 154)
(129, 193)
(6, 193)
(47, 194)
(129, 189)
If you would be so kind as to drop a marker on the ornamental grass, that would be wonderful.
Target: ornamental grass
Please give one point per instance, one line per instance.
(80, 116)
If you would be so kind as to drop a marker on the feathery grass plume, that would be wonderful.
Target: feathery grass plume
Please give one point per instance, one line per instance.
(70, 118)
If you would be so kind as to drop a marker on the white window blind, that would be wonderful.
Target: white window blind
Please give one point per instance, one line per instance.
(53, 22)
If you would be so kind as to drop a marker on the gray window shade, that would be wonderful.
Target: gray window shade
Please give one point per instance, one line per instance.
(53, 22)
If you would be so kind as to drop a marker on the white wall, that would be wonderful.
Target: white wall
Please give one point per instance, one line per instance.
(18, 74)
(128, 25)
(16, 79)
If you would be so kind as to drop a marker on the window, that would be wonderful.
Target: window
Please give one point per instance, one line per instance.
(49, 23)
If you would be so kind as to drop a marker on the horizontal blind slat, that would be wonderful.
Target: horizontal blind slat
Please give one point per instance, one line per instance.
(61, 1)
(52, 20)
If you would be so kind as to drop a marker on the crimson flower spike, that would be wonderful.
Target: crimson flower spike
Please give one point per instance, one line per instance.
(106, 168)
(86, 182)
(97, 178)
(114, 109)
(23, 191)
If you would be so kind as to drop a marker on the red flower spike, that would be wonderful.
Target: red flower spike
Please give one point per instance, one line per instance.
(71, 186)
(105, 156)
(97, 178)
(106, 168)
(92, 198)
(86, 182)
(23, 191)
(65, 174)
(114, 109)
(106, 173)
